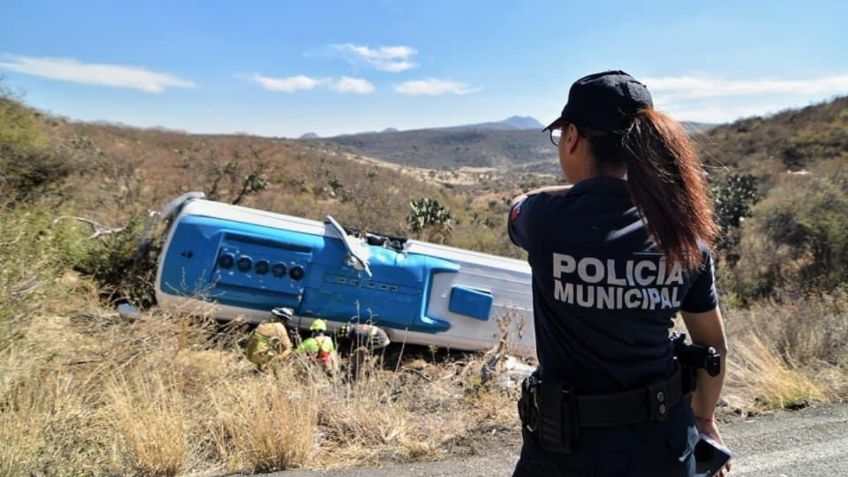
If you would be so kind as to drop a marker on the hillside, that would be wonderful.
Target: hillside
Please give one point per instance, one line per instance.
(515, 143)
(789, 140)
(110, 173)
(451, 149)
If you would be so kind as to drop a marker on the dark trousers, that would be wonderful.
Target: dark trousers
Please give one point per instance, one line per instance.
(650, 449)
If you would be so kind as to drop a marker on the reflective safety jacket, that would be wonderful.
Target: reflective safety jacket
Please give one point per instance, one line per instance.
(268, 340)
(321, 346)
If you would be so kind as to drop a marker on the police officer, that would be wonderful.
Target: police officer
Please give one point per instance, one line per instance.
(270, 340)
(614, 258)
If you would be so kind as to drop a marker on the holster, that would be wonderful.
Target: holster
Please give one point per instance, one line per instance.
(549, 411)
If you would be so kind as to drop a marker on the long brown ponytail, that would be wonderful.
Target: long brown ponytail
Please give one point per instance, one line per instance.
(667, 182)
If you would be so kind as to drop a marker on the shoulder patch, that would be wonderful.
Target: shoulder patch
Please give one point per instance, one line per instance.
(516, 210)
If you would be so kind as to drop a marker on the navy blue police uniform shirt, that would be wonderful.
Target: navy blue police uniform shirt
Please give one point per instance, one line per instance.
(603, 297)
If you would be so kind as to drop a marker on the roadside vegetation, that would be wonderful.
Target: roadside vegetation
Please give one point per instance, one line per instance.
(85, 391)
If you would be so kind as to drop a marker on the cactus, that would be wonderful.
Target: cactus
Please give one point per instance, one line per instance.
(430, 219)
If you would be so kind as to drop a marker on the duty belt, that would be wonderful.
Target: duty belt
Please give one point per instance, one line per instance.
(650, 403)
(555, 413)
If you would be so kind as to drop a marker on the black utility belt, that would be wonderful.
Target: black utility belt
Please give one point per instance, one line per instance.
(555, 414)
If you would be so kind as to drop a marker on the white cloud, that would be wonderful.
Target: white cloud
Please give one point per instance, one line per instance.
(434, 87)
(718, 112)
(713, 99)
(692, 87)
(288, 84)
(116, 76)
(347, 84)
(393, 59)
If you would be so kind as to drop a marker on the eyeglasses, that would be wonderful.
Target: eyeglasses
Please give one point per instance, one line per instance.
(556, 135)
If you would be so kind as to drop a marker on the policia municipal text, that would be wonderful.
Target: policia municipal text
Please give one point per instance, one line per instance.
(615, 257)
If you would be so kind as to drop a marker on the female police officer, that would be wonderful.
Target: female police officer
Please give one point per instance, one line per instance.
(614, 258)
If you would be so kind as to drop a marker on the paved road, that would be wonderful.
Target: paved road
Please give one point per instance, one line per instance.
(812, 442)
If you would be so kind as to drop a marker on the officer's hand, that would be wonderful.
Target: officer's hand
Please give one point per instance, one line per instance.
(709, 428)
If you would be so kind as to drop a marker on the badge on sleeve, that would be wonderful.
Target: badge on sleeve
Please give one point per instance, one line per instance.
(516, 210)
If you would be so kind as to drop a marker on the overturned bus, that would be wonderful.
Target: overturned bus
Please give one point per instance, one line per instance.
(249, 261)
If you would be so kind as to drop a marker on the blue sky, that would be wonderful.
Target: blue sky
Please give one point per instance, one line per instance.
(285, 68)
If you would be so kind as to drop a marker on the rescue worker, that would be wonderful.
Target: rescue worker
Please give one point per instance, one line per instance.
(614, 258)
(364, 335)
(320, 346)
(362, 340)
(270, 340)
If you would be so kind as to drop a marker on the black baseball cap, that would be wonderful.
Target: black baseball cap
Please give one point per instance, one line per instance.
(606, 101)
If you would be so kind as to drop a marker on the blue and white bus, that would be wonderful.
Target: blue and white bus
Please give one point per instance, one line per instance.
(247, 261)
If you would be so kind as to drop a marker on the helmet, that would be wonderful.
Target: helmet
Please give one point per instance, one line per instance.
(282, 314)
(318, 325)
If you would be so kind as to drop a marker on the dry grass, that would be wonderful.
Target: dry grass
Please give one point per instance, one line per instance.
(788, 355)
(759, 379)
(160, 397)
(150, 421)
(266, 422)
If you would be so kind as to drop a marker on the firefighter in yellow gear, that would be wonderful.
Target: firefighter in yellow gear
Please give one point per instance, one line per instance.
(320, 346)
(270, 340)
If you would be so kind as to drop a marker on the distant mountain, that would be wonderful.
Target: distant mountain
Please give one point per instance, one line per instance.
(523, 122)
(516, 140)
(480, 145)
(508, 124)
(309, 135)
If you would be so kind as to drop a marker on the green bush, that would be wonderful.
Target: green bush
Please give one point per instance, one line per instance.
(797, 238)
(27, 167)
(19, 125)
(36, 252)
(123, 270)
